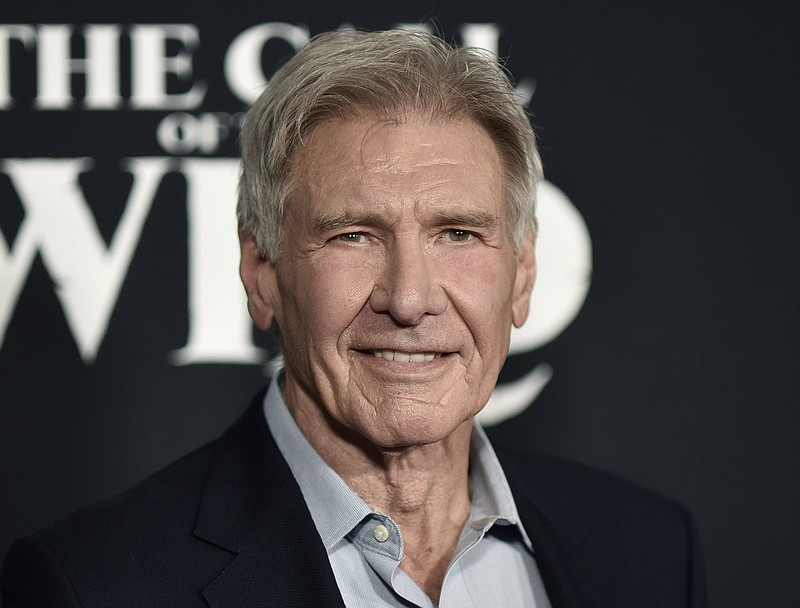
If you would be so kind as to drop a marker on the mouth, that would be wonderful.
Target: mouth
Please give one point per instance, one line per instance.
(405, 357)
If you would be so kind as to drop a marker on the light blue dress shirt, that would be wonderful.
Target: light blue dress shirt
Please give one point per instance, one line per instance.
(493, 563)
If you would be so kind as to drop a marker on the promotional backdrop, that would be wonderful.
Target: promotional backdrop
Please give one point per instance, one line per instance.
(663, 340)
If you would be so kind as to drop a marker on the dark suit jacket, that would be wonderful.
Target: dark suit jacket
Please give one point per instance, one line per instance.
(226, 526)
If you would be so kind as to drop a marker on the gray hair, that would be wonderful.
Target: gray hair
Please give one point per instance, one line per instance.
(388, 75)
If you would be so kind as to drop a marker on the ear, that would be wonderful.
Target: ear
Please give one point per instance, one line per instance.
(526, 276)
(258, 277)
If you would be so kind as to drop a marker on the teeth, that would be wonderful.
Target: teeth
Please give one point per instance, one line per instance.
(398, 355)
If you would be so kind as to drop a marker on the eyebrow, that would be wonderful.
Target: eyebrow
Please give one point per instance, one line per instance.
(341, 220)
(332, 222)
(466, 217)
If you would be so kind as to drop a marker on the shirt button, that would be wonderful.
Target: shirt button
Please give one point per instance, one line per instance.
(381, 533)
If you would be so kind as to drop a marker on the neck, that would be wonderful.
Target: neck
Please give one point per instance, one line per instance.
(426, 491)
(423, 488)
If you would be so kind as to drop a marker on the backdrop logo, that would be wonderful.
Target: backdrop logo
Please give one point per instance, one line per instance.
(564, 258)
(152, 67)
(158, 67)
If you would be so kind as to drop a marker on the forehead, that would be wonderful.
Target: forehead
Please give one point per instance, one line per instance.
(416, 160)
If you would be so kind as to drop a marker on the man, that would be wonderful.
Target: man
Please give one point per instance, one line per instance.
(387, 229)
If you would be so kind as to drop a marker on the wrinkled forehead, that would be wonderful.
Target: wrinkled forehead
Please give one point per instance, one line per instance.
(377, 141)
(395, 146)
(447, 167)
(374, 159)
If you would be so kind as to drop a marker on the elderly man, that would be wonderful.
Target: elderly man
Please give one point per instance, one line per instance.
(387, 230)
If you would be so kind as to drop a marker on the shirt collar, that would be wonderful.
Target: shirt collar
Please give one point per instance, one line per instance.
(336, 509)
(492, 501)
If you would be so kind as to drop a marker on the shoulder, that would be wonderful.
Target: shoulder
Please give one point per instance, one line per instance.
(169, 496)
(585, 492)
(142, 541)
(591, 507)
(620, 540)
(113, 546)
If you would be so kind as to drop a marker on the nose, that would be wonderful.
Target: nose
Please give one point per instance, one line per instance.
(408, 288)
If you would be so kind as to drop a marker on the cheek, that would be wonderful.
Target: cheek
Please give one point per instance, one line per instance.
(327, 296)
(483, 293)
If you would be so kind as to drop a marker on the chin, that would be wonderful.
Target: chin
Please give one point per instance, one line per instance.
(415, 431)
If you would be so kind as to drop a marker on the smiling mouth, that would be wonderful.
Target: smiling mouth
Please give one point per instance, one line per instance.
(405, 357)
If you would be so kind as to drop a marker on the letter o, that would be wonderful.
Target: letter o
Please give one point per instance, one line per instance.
(178, 133)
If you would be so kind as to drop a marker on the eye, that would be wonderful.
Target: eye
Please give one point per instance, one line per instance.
(352, 237)
(457, 235)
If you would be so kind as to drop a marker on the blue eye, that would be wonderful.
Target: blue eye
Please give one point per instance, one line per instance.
(458, 236)
(351, 237)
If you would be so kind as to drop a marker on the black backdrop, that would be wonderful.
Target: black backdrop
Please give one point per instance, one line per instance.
(671, 126)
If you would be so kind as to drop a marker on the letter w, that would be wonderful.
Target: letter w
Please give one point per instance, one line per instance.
(58, 223)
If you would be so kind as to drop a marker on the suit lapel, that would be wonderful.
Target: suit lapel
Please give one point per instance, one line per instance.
(557, 538)
(559, 560)
(252, 507)
(284, 564)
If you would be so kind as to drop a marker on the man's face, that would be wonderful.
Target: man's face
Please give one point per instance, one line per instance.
(397, 282)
